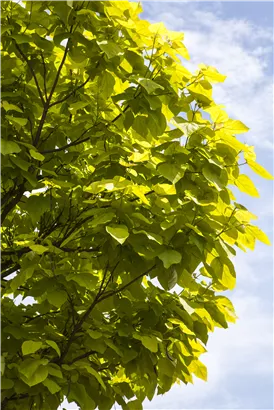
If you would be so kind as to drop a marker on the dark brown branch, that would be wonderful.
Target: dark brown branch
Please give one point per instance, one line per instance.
(82, 356)
(70, 94)
(78, 326)
(47, 104)
(119, 290)
(29, 319)
(19, 252)
(79, 249)
(32, 72)
(73, 144)
(13, 202)
(10, 271)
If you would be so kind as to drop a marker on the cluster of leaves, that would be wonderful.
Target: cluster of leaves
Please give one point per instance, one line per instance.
(116, 167)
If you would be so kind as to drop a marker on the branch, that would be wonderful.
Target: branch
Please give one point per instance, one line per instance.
(10, 271)
(73, 144)
(82, 356)
(32, 72)
(78, 326)
(13, 202)
(79, 249)
(70, 94)
(29, 319)
(114, 292)
(15, 251)
(47, 104)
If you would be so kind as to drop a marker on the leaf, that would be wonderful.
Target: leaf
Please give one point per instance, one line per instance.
(107, 83)
(30, 346)
(10, 107)
(21, 163)
(54, 346)
(6, 384)
(224, 271)
(258, 234)
(211, 174)
(164, 189)
(33, 371)
(199, 369)
(110, 48)
(139, 157)
(5, 28)
(21, 38)
(57, 298)
(135, 405)
(9, 147)
(40, 249)
(118, 232)
(55, 371)
(78, 393)
(211, 74)
(150, 342)
(259, 169)
(168, 278)
(94, 334)
(141, 217)
(235, 127)
(170, 257)
(171, 172)
(152, 236)
(96, 375)
(149, 85)
(37, 155)
(52, 386)
(16, 120)
(244, 183)
(39, 376)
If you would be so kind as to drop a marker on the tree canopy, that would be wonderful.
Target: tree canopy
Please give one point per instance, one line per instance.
(118, 179)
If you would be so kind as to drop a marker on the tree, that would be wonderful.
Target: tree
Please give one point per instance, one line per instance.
(116, 168)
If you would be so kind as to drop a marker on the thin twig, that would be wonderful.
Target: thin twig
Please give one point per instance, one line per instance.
(32, 72)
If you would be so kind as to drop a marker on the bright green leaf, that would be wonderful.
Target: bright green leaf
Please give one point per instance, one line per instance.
(118, 232)
(30, 347)
(9, 147)
(170, 257)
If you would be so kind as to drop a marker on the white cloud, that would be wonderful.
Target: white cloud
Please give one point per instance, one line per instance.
(238, 49)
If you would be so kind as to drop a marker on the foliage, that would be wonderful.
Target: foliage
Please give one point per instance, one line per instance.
(116, 168)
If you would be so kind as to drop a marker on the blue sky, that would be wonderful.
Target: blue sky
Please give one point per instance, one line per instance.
(236, 38)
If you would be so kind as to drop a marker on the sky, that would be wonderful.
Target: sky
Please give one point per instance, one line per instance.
(236, 38)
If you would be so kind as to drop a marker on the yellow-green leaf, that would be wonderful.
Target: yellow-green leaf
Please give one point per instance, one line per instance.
(139, 157)
(170, 257)
(37, 155)
(244, 183)
(164, 189)
(16, 120)
(259, 169)
(118, 232)
(258, 234)
(9, 147)
(149, 85)
(199, 369)
(40, 249)
(54, 346)
(51, 385)
(30, 346)
(235, 127)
